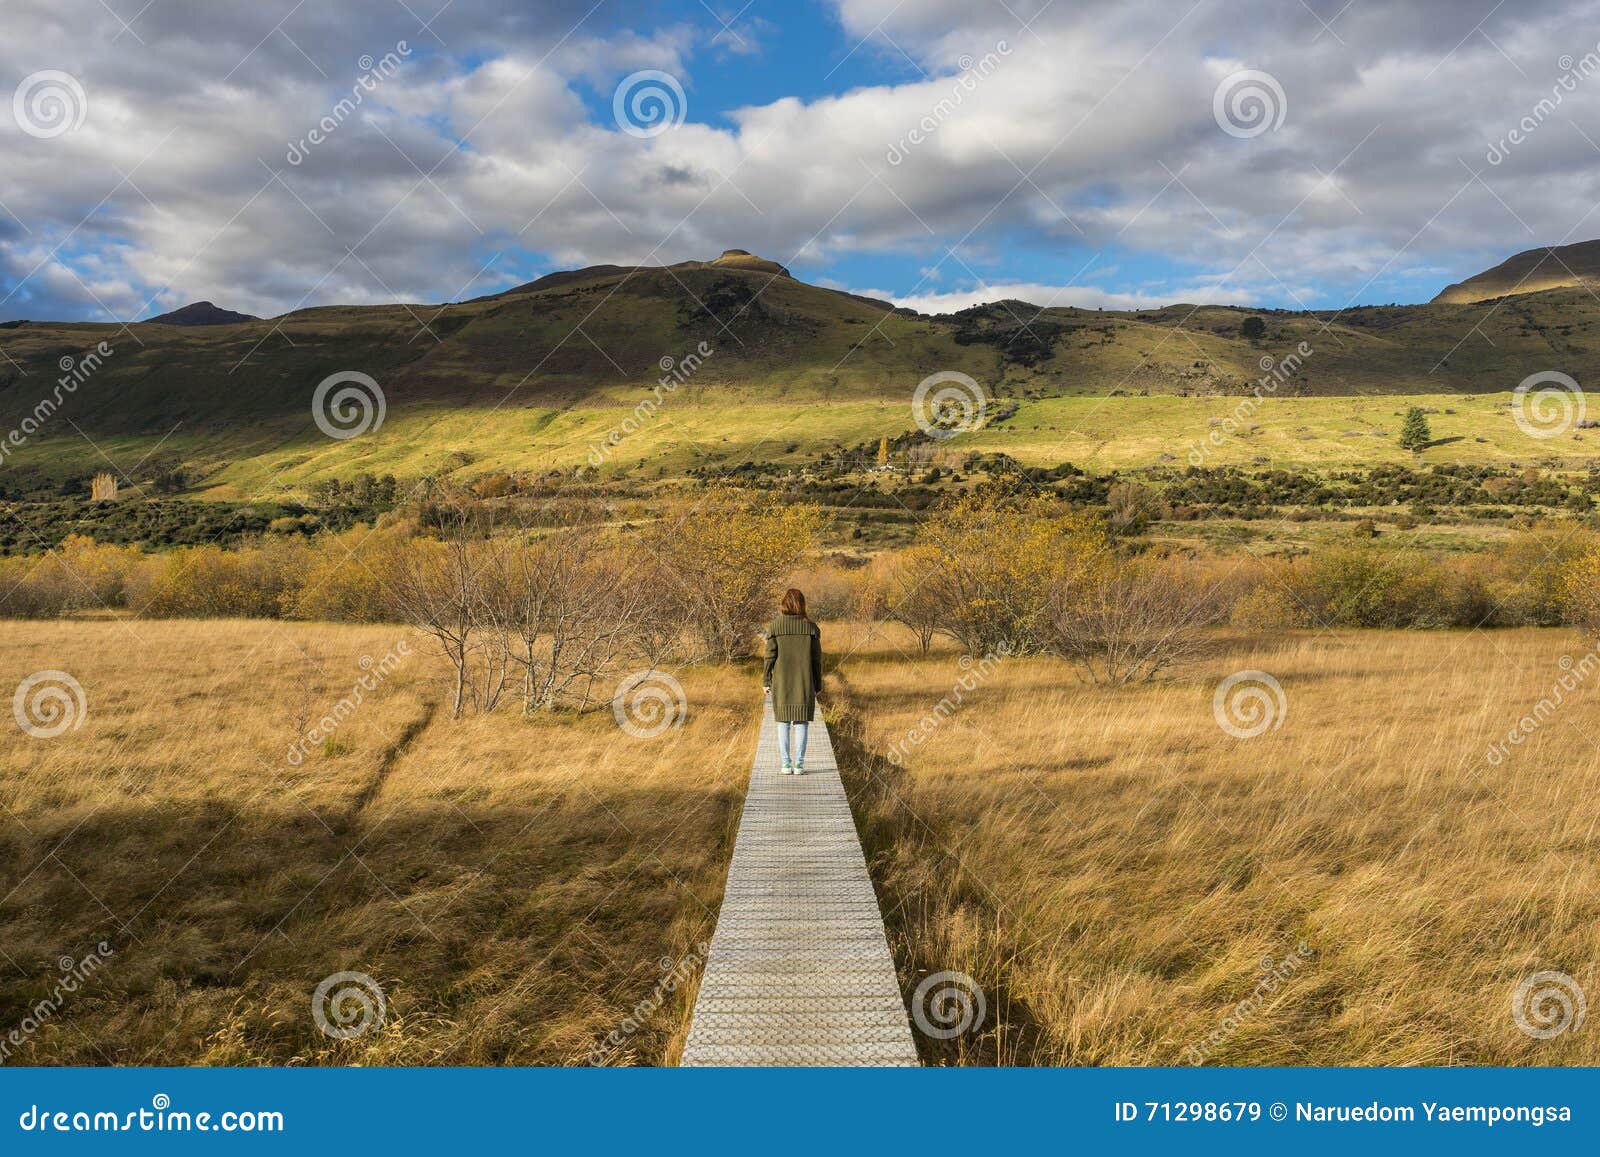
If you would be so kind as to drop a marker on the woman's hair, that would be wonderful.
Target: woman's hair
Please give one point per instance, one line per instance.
(794, 603)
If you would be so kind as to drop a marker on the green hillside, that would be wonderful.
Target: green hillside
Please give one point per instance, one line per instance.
(531, 378)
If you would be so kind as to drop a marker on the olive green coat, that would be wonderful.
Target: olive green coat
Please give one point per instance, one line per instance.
(794, 668)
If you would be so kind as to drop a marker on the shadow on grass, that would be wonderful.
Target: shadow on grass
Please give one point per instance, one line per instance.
(500, 934)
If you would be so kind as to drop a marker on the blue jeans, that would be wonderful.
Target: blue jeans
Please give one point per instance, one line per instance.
(800, 730)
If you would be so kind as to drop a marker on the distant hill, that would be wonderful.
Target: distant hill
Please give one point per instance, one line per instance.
(1534, 271)
(202, 313)
(545, 357)
(730, 259)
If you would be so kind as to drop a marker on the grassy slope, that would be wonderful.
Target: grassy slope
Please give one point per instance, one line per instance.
(712, 429)
(528, 380)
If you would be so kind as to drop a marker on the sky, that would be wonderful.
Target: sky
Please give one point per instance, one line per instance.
(279, 154)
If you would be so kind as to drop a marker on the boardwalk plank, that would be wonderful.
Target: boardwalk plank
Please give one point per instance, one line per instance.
(799, 971)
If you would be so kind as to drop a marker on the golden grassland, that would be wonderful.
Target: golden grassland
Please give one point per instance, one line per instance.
(1111, 867)
(512, 884)
(1116, 871)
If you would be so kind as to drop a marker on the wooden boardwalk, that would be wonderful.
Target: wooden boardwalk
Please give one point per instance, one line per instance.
(799, 971)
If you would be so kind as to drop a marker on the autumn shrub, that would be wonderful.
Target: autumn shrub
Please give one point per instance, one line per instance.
(210, 582)
(350, 577)
(894, 589)
(833, 586)
(1580, 588)
(1361, 585)
(723, 558)
(79, 575)
(989, 565)
(1528, 585)
(1133, 618)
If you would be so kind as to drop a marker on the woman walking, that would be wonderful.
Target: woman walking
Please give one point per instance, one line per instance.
(793, 677)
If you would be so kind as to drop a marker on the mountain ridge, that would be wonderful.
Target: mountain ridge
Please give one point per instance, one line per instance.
(200, 313)
(594, 339)
(1531, 271)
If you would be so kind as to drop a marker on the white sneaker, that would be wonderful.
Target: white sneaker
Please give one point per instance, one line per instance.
(799, 770)
(787, 770)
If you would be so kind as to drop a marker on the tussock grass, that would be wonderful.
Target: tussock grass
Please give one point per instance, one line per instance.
(1112, 868)
(512, 884)
(1118, 873)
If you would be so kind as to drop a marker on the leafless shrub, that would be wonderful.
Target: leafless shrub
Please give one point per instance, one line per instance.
(1133, 620)
(565, 609)
(437, 588)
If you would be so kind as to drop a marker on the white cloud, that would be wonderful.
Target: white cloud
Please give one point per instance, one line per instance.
(1081, 296)
(1094, 133)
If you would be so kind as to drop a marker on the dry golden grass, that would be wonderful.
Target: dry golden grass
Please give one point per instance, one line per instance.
(512, 884)
(1109, 865)
(1114, 869)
